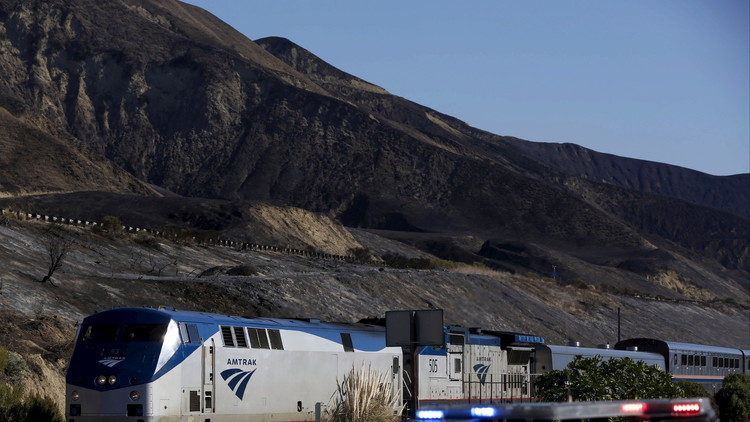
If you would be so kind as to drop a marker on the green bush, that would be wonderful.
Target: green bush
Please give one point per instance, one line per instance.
(147, 241)
(112, 225)
(14, 407)
(588, 379)
(733, 399)
(360, 255)
(16, 366)
(691, 389)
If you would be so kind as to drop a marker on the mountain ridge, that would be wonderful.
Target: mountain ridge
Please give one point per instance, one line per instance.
(181, 101)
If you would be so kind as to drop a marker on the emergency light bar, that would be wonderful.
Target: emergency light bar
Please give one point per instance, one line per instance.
(686, 410)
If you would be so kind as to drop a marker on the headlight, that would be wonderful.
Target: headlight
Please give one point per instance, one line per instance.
(101, 380)
(74, 395)
(135, 395)
(112, 380)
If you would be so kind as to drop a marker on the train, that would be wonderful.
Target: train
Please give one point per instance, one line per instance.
(167, 365)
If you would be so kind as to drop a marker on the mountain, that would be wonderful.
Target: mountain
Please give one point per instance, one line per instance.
(159, 114)
(183, 102)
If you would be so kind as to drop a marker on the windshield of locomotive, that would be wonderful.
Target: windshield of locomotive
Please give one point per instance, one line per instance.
(123, 335)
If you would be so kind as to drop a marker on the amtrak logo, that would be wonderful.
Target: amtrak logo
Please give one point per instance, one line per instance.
(481, 371)
(111, 362)
(237, 380)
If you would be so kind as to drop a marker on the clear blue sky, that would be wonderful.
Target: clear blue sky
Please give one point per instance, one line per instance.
(665, 81)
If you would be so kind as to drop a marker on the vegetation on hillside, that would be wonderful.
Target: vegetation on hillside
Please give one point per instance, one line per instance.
(15, 406)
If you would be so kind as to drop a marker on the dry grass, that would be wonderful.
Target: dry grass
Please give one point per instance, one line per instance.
(366, 395)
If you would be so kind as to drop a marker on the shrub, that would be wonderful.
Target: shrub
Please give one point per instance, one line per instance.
(147, 241)
(733, 399)
(14, 407)
(42, 409)
(16, 366)
(112, 225)
(360, 255)
(691, 389)
(588, 379)
(4, 218)
(366, 395)
(579, 283)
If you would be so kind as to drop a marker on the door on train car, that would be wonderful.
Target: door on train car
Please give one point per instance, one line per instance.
(209, 375)
(456, 356)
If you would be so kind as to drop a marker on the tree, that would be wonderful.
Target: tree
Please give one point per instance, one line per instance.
(592, 378)
(733, 399)
(112, 225)
(56, 246)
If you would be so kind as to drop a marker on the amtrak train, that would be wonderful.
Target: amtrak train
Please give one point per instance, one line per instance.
(143, 364)
(706, 365)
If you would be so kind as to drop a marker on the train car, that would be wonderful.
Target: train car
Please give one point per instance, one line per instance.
(745, 362)
(550, 357)
(706, 365)
(141, 364)
(475, 366)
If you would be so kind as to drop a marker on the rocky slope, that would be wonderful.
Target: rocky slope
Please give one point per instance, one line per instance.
(103, 271)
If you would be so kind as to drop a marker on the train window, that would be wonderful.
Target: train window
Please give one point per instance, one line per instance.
(715, 362)
(703, 361)
(99, 333)
(226, 334)
(346, 340)
(263, 337)
(239, 335)
(684, 360)
(193, 333)
(675, 360)
(456, 339)
(457, 366)
(254, 341)
(690, 360)
(189, 333)
(275, 337)
(736, 363)
(143, 332)
(258, 338)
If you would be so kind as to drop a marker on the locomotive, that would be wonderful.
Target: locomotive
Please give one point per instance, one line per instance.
(134, 364)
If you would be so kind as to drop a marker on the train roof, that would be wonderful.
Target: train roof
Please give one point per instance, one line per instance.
(612, 353)
(675, 345)
(218, 319)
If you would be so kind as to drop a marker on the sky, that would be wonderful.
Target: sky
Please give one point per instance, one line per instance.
(665, 81)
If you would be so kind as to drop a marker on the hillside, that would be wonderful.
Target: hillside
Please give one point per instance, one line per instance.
(103, 271)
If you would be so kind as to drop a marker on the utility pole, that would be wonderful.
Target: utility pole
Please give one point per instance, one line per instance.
(618, 323)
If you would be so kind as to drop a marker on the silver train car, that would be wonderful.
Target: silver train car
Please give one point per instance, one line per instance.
(550, 357)
(141, 364)
(706, 365)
